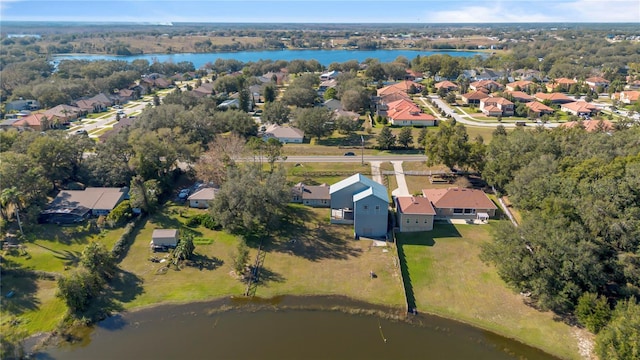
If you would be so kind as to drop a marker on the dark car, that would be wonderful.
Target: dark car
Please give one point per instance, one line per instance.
(349, 154)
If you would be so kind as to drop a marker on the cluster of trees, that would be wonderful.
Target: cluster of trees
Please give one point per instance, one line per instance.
(577, 250)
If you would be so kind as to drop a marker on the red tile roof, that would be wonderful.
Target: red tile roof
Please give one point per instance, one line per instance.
(475, 95)
(402, 86)
(496, 100)
(580, 107)
(596, 79)
(553, 97)
(446, 84)
(538, 107)
(521, 84)
(564, 81)
(485, 84)
(458, 198)
(415, 205)
(590, 125)
(31, 120)
(519, 95)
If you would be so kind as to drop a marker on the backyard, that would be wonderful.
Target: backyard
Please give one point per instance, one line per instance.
(445, 276)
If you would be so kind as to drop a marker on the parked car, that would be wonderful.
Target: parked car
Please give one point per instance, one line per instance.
(350, 153)
(184, 193)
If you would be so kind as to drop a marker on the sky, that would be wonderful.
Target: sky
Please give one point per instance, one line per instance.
(327, 11)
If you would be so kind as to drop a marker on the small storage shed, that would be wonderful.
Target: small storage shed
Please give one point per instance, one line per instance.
(167, 238)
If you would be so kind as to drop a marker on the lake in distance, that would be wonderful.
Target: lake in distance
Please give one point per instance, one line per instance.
(202, 331)
(324, 57)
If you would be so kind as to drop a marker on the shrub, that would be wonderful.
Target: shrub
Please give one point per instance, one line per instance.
(121, 213)
(120, 247)
(593, 311)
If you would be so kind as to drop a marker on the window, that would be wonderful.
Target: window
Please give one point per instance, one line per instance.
(377, 207)
(469, 211)
(457, 211)
(408, 221)
(366, 207)
(416, 221)
(426, 221)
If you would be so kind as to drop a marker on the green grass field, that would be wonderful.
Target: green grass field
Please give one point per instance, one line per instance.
(447, 278)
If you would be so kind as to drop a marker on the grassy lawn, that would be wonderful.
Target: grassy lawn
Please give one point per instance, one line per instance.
(101, 131)
(447, 278)
(323, 259)
(318, 173)
(33, 308)
(146, 286)
(55, 248)
(313, 257)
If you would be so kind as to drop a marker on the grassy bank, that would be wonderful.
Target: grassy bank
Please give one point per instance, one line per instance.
(447, 278)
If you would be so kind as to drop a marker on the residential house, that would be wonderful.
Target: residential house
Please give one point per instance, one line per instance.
(202, 198)
(117, 127)
(406, 86)
(590, 125)
(31, 121)
(413, 75)
(205, 89)
(632, 83)
(460, 203)
(19, 105)
(344, 113)
(229, 104)
(519, 96)
(538, 109)
(414, 213)
(554, 98)
(362, 202)
(285, 134)
(489, 74)
(71, 206)
(326, 85)
(96, 104)
(488, 85)
(468, 74)
(629, 96)
(329, 75)
(382, 101)
(333, 104)
(309, 195)
(519, 85)
(528, 74)
(597, 81)
(446, 86)
(125, 95)
(496, 106)
(560, 84)
(63, 113)
(164, 238)
(406, 113)
(474, 97)
(579, 108)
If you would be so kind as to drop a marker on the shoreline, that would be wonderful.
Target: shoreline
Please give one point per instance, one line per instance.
(338, 303)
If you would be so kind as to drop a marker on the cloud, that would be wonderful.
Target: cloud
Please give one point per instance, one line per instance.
(538, 11)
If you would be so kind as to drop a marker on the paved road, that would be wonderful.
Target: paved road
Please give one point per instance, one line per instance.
(344, 159)
(465, 120)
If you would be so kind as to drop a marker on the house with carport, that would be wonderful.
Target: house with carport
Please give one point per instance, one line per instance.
(414, 213)
(362, 202)
(311, 195)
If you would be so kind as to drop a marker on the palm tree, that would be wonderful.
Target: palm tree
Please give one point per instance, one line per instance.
(15, 198)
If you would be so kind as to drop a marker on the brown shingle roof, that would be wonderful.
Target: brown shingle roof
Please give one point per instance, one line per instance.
(458, 198)
(415, 205)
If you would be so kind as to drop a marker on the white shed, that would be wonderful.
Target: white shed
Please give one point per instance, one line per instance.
(164, 237)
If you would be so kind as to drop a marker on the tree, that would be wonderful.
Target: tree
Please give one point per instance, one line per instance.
(422, 136)
(98, 260)
(593, 311)
(245, 100)
(315, 122)
(14, 198)
(251, 202)
(156, 100)
(346, 125)
(354, 100)
(448, 146)
(386, 139)
(78, 288)
(405, 138)
(273, 151)
(223, 154)
(450, 98)
(276, 112)
(240, 257)
(300, 96)
(269, 93)
(144, 194)
(330, 93)
(620, 339)
(185, 248)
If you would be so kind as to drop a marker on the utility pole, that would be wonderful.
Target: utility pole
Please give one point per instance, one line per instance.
(362, 152)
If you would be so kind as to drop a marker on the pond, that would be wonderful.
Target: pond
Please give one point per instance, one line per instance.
(287, 328)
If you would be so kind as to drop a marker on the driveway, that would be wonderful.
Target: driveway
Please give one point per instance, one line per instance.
(402, 189)
(375, 172)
